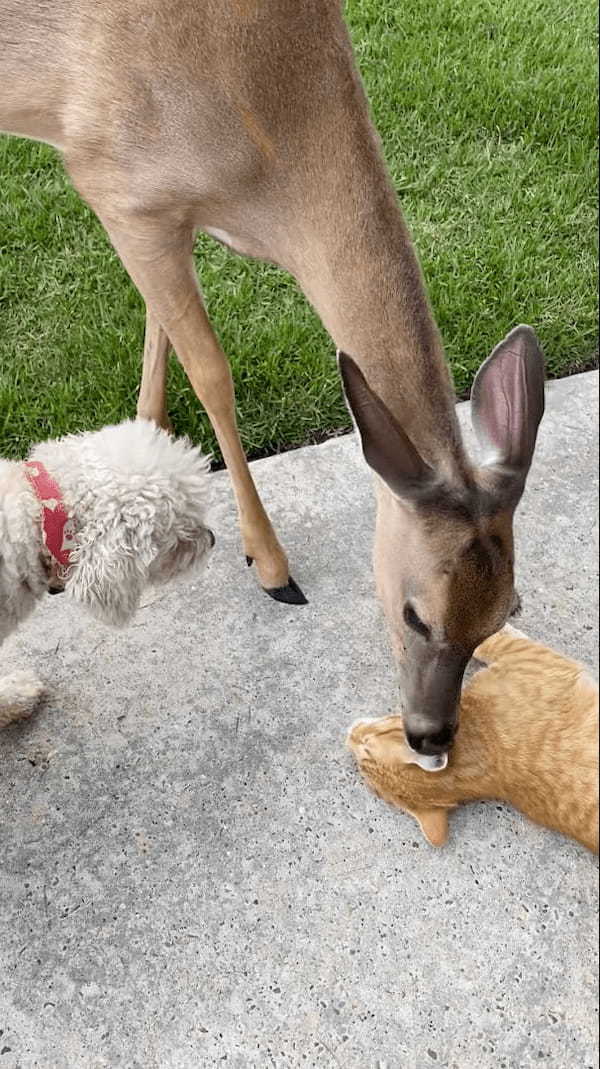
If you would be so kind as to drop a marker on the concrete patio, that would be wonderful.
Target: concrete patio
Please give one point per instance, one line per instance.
(192, 874)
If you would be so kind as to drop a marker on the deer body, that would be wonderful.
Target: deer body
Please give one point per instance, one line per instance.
(247, 119)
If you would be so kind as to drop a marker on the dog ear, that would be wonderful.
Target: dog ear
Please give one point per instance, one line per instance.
(433, 823)
(108, 573)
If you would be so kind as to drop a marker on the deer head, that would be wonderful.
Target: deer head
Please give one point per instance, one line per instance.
(444, 545)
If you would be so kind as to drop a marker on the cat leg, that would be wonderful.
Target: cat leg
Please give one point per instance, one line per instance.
(504, 643)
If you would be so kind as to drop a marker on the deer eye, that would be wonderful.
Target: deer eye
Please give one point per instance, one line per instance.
(414, 621)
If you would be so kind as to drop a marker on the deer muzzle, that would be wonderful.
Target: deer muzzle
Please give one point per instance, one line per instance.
(431, 694)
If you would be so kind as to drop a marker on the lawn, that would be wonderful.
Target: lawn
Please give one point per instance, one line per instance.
(487, 112)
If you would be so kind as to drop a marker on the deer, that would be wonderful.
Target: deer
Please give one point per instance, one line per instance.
(248, 120)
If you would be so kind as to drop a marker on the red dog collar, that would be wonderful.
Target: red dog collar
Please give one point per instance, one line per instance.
(57, 526)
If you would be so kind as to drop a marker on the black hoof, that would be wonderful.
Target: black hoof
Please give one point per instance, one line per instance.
(290, 594)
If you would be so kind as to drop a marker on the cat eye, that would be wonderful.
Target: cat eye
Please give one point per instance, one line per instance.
(414, 621)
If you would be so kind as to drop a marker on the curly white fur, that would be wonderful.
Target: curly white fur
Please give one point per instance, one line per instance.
(137, 498)
(19, 695)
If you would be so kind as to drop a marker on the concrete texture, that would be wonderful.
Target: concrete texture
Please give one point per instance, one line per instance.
(192, 873)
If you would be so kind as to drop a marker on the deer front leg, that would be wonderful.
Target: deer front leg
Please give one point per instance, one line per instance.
(158, 258)
(152, 397)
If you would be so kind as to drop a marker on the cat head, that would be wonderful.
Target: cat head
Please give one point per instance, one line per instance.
(395, 773)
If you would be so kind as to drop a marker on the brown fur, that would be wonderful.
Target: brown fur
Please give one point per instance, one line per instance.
(248, 120)
(528, 735)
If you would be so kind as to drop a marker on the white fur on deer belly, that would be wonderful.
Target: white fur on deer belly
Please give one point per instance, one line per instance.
(224, 237)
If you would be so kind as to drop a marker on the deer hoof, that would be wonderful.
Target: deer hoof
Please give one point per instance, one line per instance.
(290, 594)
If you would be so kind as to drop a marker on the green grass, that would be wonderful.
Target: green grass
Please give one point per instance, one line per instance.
(487, 113)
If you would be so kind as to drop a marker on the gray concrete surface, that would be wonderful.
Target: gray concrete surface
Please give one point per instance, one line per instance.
(191, 872)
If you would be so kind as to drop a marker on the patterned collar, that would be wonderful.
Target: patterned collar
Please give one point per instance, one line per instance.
(57, 526)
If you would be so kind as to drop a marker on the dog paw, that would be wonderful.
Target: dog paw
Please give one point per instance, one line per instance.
(19, 695)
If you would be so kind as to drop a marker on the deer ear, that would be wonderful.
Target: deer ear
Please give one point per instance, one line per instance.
(433, 824)
(507, 404)
(387, 449)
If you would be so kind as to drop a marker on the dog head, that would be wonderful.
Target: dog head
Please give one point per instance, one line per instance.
(112, 566)
(138, 500)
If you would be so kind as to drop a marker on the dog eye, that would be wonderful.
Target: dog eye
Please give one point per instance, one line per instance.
(412, 620)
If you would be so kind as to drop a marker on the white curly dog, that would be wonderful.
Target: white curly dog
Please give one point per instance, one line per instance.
(99, 515)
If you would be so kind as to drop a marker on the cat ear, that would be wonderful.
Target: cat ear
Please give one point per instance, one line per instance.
(433, 824)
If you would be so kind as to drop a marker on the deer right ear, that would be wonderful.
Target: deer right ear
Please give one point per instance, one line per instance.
(387, 449)
(507, 404)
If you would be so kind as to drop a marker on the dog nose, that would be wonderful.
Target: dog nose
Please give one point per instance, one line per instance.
(438, 742)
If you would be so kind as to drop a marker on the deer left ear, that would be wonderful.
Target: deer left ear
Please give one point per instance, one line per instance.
(433, 824)
(507, 404)
(386, 447)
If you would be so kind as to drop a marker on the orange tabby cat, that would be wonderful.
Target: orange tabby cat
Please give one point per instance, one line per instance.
(528, 735)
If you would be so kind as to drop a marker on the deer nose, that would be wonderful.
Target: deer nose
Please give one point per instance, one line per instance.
(438, 742)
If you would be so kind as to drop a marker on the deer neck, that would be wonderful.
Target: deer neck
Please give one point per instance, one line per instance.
(355, 263)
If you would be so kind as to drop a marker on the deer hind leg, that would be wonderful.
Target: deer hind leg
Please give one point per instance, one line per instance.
(152, 400)
(157, 254)
(152, 397)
